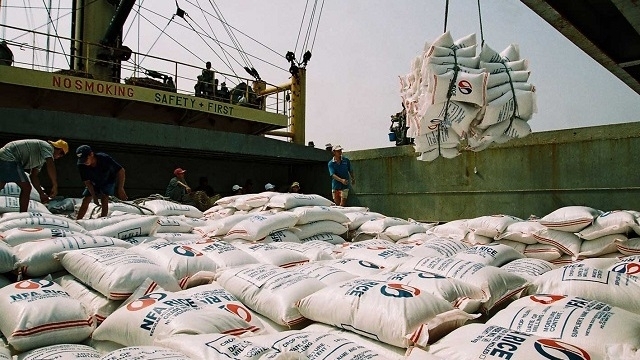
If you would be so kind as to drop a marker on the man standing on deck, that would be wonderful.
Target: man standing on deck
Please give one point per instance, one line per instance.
(100, 174)
(30, 155)
(341, 176)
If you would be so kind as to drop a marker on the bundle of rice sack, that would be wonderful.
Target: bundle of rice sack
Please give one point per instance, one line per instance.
(528, 269)
(570, 218)
(144, 353)
(609, 223)
(38, 312)
(17, 236)
(257, 227)
(215, 347)
(273, 254)
(223, 254)
(115, 272)
(168, 208)
(11, 204)
(138, 226)
(96, 304)
(491, 254)
(60, 351)
(307, 214)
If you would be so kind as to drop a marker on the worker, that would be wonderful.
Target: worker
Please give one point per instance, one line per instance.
(30, 155)
(102, 176)
(178, 189)
(341, 176)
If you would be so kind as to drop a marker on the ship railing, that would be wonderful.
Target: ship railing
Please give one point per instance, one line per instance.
(157, 72)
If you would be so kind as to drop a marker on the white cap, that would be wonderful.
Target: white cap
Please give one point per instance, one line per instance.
(269, 186)
(336, 148)
(236, 187)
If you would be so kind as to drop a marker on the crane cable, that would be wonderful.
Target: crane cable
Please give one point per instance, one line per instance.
(312, 18)
(224, 52)
(55, 30)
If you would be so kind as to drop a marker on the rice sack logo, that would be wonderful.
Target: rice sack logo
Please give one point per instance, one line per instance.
(630, 268)
(34, 289)
(369, 265)
(146, 301)
(546, 299)
(33, 284)
(186, 251)
(399, 290)
(426, 275)
(238, 310)
(157, 305)
(464, 87)
(558, 350)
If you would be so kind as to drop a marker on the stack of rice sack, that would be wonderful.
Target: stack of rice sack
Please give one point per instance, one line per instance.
(452, 95)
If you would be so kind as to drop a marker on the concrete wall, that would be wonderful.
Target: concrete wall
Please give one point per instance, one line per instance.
(592, 166)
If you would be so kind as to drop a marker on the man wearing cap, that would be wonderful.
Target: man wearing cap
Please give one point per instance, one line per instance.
(236, 190)
(341, 176)
(269, 187)
(295, 187)
(102, 176)
(30, 155)
(178, 189)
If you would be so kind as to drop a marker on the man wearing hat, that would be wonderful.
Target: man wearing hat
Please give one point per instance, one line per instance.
(341, 176)
(295, 187)
(236, 190)
(178, 189)
(269, 187)
(102, 176)
(30, 155)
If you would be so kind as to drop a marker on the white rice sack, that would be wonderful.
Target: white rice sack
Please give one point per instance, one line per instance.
(608, 223)
(601, 246)
(13, 190)
(215, 347)
(355, 267)
(96, 304)
(160, 314)
(289, 201)
(458, 293)
(128, 207)
(379, 225)
(476, 239)
(577, 279)
(383, 256)
(370, 307)
(257, 227)
(567, 242)
(397, 232)
(37, 258)
(327, 237)
(312, 250)
(437, 137)
(459, 116)
(564, 260)
(517, 246)
(39, 312)
(168, 208)
(499, 67)
(307, 214)
(521, 231)
(12, 204)
(144, 353)
(491, 226)
(61, 352)
(95, 224)
(498, 79)
(115, 272)
(360, 217)
(215, 295)
(220, 226)
(228, 200)
(491, 254)
(571, 319)
(388, 351)
(189, 220)
(250, 201)
(438, 246)
(498, 91)
(319, 227)
(223, 254)
(172, 225)
(270, 290)
(511, 53)
(615, 351)
(498, 284)
(139, 226)
(546, 252)
(469, 88)
(281, 236)
(528, 269)
(324, 272)
(455, 227)
(7, 258)
(181, 261)
(349, 209)
(17, 236)
(273, 254)
(570, 218)
(42, 222)
(296, 345)
(178, 237)
(480, 341)
(630, 247)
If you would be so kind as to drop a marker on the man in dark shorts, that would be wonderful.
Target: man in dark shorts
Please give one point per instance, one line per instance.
(30, 155)
(102, 176)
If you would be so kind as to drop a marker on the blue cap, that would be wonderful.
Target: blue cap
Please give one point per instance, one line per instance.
(82, 152)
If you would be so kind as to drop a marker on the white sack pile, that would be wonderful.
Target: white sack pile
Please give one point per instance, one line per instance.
(457, 97)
